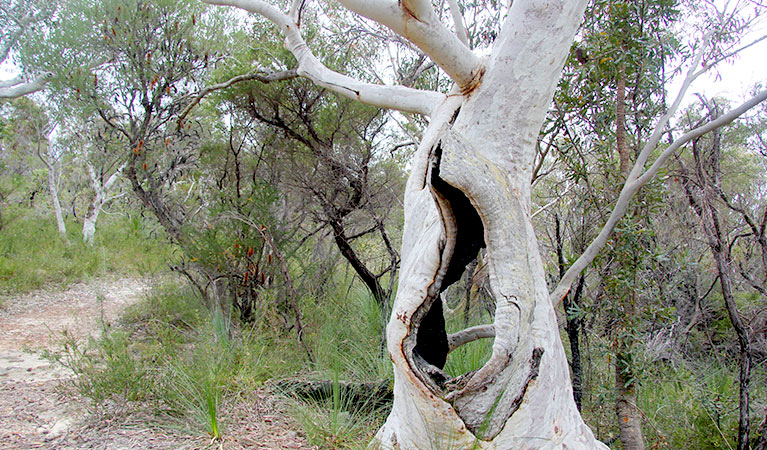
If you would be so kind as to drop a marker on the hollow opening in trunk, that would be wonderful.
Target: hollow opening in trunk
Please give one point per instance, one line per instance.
(465, 236)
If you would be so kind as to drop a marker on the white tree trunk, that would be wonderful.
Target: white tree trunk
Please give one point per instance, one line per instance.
(100, 198)
(470, 187)
(89, 222)
(53, 188)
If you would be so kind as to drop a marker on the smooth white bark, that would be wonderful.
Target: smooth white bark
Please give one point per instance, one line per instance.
(18, 87)
(522, 397)
(418, 23)
(390, 97)
(100, 198)
(50, 163)
(54, 191)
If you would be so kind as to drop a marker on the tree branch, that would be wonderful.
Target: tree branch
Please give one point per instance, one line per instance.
(417, 22)
(264, 78)
(472, 334)
(21, 88)
(460, 28)
(635, 182)
(391, 97)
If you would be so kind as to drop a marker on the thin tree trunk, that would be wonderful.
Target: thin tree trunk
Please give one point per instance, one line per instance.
(89, 221)
(572, 324)
(100, 198)
(629, 422)
(55, 200)
(573, 327)
(470, 269)
(151, 200)
(627, 412)
(724, 265)
(367, 277)
(708, 179)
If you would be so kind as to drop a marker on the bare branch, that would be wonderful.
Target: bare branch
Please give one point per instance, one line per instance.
(711, 64)
(460, 28)
(264, 78)
(391, 97)
(295, 11)
(12, 82)
(23, 88)
(472, 334)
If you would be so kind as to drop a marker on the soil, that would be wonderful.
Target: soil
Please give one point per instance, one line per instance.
(39, 411)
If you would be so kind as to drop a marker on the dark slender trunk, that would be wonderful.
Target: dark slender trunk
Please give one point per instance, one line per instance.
(573, 327)
(708, 174)
(723, 264)
(367, 277)
(572, 324)
(152, 201)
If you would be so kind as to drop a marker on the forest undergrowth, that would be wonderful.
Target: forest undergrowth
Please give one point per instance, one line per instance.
(184, 366)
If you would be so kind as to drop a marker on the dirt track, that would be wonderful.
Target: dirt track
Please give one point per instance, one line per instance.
(36, 414)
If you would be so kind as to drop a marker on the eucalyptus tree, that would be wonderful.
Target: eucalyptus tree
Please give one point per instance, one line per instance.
(93, 145)
(33, 129)
(135, 65)
(469, 188)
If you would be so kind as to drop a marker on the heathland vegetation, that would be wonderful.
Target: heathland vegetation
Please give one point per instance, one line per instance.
(176, 142)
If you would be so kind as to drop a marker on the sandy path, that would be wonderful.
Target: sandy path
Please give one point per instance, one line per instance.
(34, 414)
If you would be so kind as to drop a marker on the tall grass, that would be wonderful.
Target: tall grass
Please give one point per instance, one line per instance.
(347, 336)
(33, 254)
(175, 360)
(338, 422)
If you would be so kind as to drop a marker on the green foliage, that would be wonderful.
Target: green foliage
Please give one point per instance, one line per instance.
(695, 407)
(106, 368)
(173, 358)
